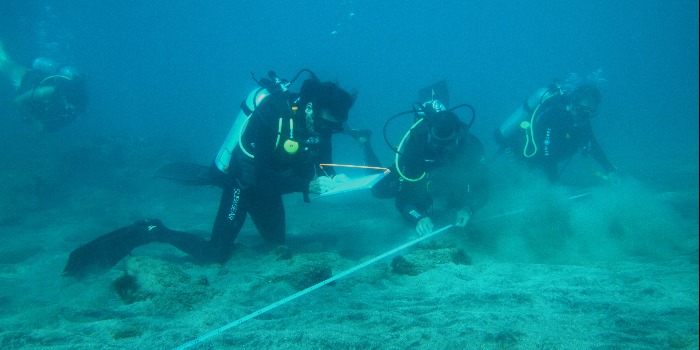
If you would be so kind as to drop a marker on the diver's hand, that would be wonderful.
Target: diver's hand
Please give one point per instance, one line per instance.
(424, 226)
(463, 217)
(321, 184)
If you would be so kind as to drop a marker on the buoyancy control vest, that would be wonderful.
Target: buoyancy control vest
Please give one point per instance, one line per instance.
(287, 142)
(233, 139)
(523, 118)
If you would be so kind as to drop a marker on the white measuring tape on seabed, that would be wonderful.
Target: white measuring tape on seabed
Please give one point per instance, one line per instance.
(281, 302)
(254, 314)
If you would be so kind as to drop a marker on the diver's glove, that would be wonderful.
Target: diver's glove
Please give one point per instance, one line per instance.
(424, 226)
(321, 184)
(359, 135)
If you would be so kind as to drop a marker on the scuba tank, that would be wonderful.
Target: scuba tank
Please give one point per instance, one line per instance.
(524, 118)
(524, 112)
(252, 101)
(223, 158)
(45, 65)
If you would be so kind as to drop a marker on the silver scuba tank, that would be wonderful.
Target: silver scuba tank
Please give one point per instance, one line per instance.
(511, 125)
(233, 139)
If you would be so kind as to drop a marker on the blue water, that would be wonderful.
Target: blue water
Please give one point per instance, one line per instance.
(179, 69)
(165, 80)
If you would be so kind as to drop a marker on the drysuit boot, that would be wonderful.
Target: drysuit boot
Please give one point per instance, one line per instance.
(105, 251)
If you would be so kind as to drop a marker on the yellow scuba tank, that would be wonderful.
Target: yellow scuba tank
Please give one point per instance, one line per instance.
(233, 139)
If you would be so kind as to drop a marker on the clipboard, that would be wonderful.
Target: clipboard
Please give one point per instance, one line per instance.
(357, 183)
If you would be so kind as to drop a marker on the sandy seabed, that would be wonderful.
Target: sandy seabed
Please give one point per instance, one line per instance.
(537, 268)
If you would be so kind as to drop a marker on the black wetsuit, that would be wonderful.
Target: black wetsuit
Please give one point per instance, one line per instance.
(67, 102)
(558, 135)
(456, 173)
(255, 185)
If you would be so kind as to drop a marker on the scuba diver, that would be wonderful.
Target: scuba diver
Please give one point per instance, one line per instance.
(274, 148)
(49, 95)
(552, 126)
(437, 158)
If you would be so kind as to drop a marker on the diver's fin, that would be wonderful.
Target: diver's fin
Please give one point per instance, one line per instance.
(106, 251)
(437, 91)
(186, 173)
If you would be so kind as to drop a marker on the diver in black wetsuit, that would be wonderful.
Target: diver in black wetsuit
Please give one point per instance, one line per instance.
(440, 158)
(554, 128)
(49, 95)
(287, 136)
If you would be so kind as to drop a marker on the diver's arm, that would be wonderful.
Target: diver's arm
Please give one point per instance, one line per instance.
(325, 156)
(479, 187)
(411, 212)
(417, 217)
(476, 198)
(362, 136)
(323, 177)
(599, 155)
(11, 69)
(25, 100)
(413, 200)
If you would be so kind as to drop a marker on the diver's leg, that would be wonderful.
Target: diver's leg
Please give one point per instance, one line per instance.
(11, 69)
(229, 220)
(267, 212)
(233, 209)
(106, 250)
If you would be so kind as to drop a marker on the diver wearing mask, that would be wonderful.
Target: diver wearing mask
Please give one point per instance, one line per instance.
(285, 138)
(438, 158)
(558, 127)
(48, 95)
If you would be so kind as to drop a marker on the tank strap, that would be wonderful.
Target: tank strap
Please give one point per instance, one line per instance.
(280, 125)
(245, 109)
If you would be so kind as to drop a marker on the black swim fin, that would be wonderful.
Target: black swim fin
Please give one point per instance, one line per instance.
(107, 250)
(186, 173)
